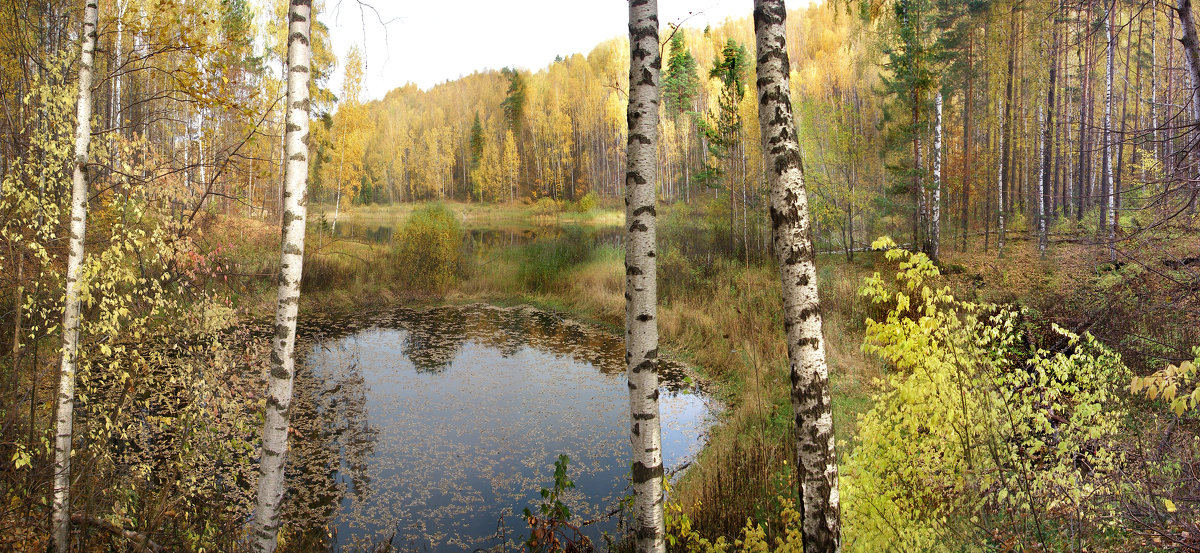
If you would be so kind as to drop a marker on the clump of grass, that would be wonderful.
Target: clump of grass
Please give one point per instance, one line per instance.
(543, 262)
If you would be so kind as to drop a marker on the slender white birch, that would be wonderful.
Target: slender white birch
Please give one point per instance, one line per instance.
(1045, 190)
(816, 462)
(1042, 178)
(60, 518)
(935, 231)
(295, 202)
(1109, 207)
(1000, 190)
(1191, 51)
(641, 293)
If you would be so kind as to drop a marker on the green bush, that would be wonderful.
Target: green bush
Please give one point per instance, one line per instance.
(546, 206)
(587, 203)
(427, 249)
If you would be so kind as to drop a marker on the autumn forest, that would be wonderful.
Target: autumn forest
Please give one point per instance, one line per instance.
(839, 275)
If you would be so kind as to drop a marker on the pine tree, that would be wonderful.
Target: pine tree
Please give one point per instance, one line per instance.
(909, 62)
(681, 82)
(724, 129)
(477, 145)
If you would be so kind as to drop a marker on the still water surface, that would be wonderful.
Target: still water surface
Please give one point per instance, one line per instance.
(427, 426)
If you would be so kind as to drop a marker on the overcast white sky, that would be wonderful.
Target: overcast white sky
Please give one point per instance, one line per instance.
(433, 41)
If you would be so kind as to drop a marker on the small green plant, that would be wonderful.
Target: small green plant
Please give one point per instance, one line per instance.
(551, 530)
(682, 536)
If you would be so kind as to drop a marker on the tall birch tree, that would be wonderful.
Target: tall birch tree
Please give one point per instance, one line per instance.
(295, 198)
(1000, 188)
(935, 225)
(1191, 52)
(1045, 190)
(1108, 208)
(61, 509)
(641, 310)
(816, 462)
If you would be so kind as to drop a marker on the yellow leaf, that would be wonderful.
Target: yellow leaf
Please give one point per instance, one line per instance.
(1170, 505)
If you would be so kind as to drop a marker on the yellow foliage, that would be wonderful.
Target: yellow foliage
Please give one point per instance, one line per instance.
(1166, 385)
(973, 430)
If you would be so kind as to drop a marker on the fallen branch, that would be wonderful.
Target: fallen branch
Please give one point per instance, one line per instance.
(141, 542)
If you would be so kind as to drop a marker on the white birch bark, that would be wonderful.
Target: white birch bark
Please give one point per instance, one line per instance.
(1154, 81)
(1042, 181)
(1109, 207)
(295, 197)
(60, 518)
(790, 223)
(1045, 190)
(641, 310)
(935, 234)
(1000, 191)
(1191, 51)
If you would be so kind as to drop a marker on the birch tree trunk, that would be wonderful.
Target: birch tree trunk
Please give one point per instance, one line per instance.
(1047, 129)
(641, 294)
(935, 233)
(1043, 177)
(815, 460)
(1000, 190)
(60, 518)
(295, 197)
(1106, 192)
(968, 100)
(1154, 84)
(1191, 51)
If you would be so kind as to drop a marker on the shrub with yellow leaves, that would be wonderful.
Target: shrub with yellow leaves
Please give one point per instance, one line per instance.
(977, 437)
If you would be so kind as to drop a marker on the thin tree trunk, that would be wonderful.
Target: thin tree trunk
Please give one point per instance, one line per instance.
(916, 176)
(641, 293)
(1191, 52)
(935, 234)
(816, 462)
(1106, 194)
(1045, 191)
(61, 513)
(1043, 182)
(1084, 161)
(968, 100)
(291, 261)
(1006, 128)
(1000, 187)
(1154, 83)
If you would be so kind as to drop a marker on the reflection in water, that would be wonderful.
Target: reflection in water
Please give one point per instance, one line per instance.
(425, 427)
